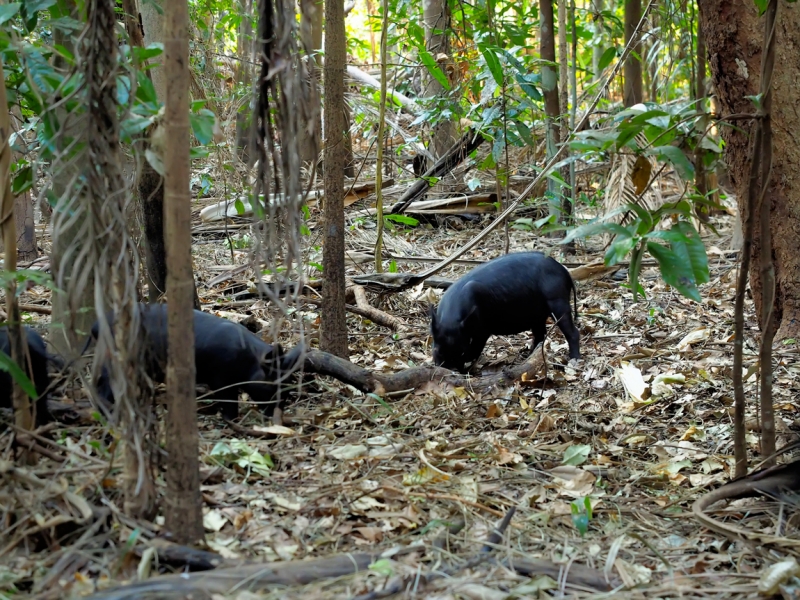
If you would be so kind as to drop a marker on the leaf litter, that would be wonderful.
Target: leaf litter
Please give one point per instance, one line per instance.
(601, 460)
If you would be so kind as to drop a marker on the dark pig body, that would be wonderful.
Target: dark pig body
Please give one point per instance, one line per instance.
(507, 295)
(227, 355)
(36, 372)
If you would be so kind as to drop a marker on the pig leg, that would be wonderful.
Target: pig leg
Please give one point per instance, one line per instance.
(539, 333)
(229, 405)
(562, 312)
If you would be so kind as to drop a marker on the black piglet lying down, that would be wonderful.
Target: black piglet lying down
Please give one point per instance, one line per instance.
(228, 359)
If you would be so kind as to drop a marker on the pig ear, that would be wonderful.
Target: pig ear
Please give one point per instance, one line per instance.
(465, 321)
(432, 312)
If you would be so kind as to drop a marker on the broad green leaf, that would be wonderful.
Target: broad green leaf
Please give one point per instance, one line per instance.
(9, 11)
(576, 455)
(674, 271)
(634, 269)
(35, 5)
(605, 60)
(492, 62)
(433, 68)
(13, 369)
(695, 251)
(761, 5)
(23, 180)
(619, 249)
(677, 157)
(404, 219)
(525, 133)
(202, 124)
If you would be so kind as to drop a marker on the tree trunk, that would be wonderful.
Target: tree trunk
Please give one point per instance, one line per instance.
(436, 20)
(184, 517)
(244, 77)
(597, 50)
(23, 415)
(547, 50)
(151, 184)
(333, 336)
(71, 321)
(700, 180)
(632, 90)
(26, 232)
(311, 21)
(733, 34)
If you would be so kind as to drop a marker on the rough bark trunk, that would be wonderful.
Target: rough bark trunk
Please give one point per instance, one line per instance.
(23, 407)
(311, 21)
(733, 34)
(436, 21)
(632, 90)
(26, 232)
(184, 517)
(71, 321)
(597, 51)
(151, 184)
(333, 326)
(244, 77)
(547, 51)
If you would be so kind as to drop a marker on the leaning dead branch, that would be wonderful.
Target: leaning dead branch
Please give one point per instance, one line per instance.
(457, 153)
(369, 382)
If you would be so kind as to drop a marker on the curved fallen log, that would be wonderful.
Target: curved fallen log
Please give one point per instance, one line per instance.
(370, 382)
(247, 577)
(774, 482)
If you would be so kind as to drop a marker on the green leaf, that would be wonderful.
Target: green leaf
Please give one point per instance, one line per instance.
(23, 181)
(761, 5)
(676, 156)
(634, 269)
(9, 11)
(32, 6)
(605, 60)
(674, 271)
(403, 219)
(492, 62)
(619, 249)
(202, 123)
(13, 369)
(433, 68)
(694, 251)
(525, 133)
(576, 455)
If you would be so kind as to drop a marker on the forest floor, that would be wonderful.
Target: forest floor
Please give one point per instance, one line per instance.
(424, 477)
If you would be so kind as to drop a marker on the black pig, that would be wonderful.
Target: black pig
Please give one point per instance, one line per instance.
(510, 294)
(36, 372)
(227, 355)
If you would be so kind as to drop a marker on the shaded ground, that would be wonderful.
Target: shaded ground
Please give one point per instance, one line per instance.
(357, 473)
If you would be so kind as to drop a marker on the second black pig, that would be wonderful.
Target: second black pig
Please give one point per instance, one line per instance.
(510, 294)
(228, 359)
(36, 371)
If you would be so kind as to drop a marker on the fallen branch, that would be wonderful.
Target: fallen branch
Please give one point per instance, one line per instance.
(368, 382)
(397, 282)
(577, 575)
(251, 578)
(417, 580)
(774, 482)
(373, 314)
(458, 152)
(409, 105)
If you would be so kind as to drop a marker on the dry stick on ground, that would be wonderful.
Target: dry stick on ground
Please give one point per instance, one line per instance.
(242, 578)
(375, 315)
(418, 579)
(381, 384)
